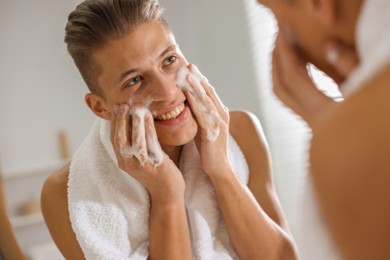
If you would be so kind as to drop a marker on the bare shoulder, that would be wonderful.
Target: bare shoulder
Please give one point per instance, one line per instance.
(246, 129)
(351, 168)
(58, 180)
(355, 133)
(54, 203)
(54, 191)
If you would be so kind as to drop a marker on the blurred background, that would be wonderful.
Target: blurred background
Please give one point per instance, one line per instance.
(44, 117)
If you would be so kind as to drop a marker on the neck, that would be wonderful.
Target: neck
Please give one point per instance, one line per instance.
(173, 153)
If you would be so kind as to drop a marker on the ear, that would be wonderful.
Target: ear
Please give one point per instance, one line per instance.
(98, 106)
(326, 11)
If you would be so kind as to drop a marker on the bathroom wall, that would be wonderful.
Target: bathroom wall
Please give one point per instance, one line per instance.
(40, 89)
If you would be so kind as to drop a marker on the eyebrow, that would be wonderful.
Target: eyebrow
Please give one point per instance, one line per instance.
(130, 71)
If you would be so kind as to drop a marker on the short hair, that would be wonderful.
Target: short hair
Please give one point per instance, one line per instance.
(94, 23)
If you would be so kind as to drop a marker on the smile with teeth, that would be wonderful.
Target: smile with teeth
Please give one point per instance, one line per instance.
(172, 114)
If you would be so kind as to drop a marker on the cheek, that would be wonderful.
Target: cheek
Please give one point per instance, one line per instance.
(123, 97)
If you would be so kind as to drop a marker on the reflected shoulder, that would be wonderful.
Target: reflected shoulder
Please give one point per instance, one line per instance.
(350, 168)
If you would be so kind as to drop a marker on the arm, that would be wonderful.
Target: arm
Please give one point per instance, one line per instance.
(54, 203)
(350, 169)
(253, 214)
(253, 229)
(169, 237)
(169, 233)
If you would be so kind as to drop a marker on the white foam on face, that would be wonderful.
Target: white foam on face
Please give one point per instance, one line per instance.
(144, 146)
(181, 80)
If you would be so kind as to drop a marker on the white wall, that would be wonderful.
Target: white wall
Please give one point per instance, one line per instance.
(40, 90)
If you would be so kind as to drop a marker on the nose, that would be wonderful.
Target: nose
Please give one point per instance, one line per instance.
(164, 87)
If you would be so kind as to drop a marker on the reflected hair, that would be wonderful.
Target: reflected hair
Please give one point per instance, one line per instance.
(95, 23)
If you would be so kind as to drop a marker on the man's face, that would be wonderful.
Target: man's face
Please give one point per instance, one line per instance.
(140, 69)
(300, 23)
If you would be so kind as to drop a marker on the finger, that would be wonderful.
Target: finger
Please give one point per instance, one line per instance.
(197, 77)
(294, 68)
(210, 91)
(278, 88)
(120, 130)
(113, 122)
(204, 101)
(343, 59)
(155, 153)
(194, 105)
(306, 104)
(138, 134)
(295, 73)
(200, 114)
(221, 109)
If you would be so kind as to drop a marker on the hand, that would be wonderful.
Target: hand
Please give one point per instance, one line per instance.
(138, 153)
(213, 123)
(343, 59)
(293, 85)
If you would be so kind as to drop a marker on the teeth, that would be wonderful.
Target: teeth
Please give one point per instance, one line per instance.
(172, 114)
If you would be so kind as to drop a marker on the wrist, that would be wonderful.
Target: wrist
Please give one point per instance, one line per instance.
(167, 197)
(167, 204)
(222, 174)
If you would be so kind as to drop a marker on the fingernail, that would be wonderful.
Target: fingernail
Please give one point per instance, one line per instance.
(332, 53)
(122, 109)
(116, 109)
(190, 79)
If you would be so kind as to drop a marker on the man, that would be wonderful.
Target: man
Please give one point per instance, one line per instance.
(349, 163)
(148, 182)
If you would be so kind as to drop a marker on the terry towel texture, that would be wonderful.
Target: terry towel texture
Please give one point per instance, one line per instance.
(373, 46)
(109, 210)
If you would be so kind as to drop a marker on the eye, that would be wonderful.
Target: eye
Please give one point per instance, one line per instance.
(133, 81)
(170, 60)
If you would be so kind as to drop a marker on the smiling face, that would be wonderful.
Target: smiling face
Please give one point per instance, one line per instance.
(140, 69)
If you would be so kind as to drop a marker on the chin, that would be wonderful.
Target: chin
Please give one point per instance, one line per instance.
(179, 137)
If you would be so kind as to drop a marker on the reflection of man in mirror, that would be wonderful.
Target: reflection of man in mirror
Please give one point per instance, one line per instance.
(166, 172)
(349, 155)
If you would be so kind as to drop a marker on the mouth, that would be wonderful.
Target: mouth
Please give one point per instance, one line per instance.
(172, 114)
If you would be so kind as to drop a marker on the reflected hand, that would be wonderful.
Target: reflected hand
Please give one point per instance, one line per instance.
(293, 85)
(343, 59)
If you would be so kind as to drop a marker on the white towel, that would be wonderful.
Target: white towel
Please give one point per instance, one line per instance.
(372, 43)
(373, 46)
(109, 210)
